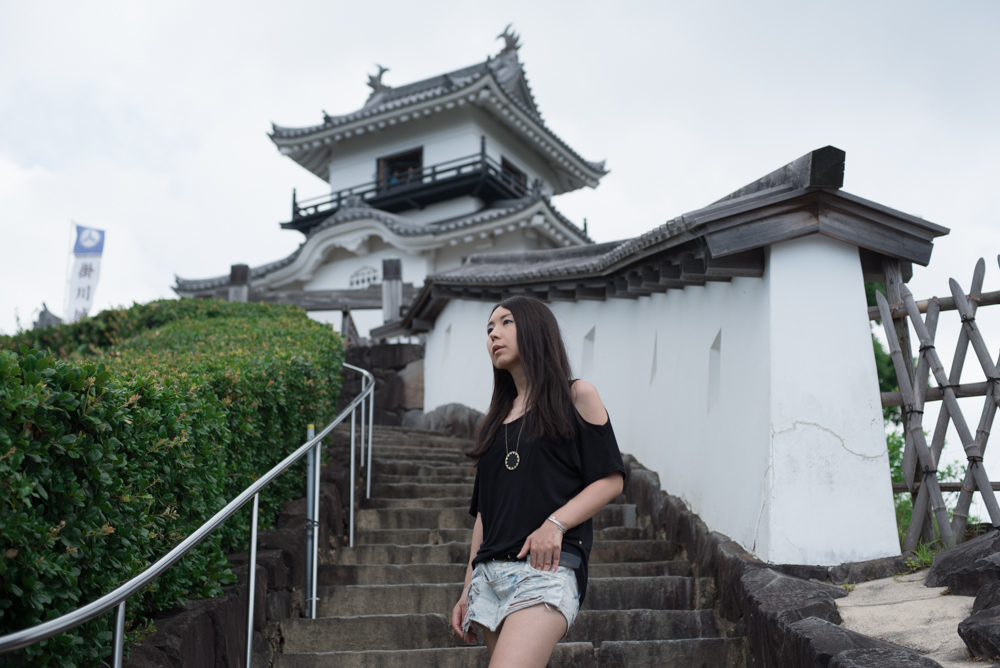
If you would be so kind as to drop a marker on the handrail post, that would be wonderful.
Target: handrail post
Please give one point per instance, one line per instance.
(118, 648)
(252, 579)
(371, 429)
(352, 482)
(364, 386)
(311, 519)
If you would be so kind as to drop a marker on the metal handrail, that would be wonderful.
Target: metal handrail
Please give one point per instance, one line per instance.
(119, 595)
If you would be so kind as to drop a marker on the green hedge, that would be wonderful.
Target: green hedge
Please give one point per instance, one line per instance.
(91, 335)
(107, 463)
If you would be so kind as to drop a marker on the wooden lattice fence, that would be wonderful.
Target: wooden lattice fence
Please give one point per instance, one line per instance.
(920, 459)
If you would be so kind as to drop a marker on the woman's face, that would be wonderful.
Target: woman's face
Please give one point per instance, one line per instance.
(501, 339)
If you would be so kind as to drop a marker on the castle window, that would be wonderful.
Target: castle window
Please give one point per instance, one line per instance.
(513, 175)
(364, 277)
(401, 168)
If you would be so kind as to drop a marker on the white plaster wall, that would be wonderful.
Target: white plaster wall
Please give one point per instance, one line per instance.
(741, 448)
(336, 271)
(452, 208)
(831, 497)
(444, 137)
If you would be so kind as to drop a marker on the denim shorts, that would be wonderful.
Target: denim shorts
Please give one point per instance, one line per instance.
(499, 588)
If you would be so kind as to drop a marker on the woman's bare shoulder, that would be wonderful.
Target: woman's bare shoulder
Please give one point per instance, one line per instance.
(588, 402)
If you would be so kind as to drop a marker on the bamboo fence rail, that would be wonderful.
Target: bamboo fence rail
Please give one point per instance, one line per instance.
(919, 457)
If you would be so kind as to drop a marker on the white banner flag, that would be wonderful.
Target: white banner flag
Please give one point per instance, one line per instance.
(85, 272)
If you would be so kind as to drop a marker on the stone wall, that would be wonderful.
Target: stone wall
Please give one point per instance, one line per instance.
(788, 612)
(399, 379)
(211, 633)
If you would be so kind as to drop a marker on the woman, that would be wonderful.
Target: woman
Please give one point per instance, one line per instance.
(546, 463)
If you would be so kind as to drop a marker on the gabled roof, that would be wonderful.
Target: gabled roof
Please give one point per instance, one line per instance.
(504, 215)
(498, 86)
(715, 243)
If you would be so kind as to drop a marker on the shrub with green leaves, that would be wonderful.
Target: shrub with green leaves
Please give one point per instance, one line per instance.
(107, 463)
(90, 335)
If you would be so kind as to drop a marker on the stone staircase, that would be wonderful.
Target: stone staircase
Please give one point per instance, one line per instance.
(387, 601)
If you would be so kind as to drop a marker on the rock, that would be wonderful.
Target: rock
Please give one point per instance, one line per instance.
(815, 642)
(988, 597)
(146, 656)
(412, 376)
(967, 567)
(279, 605)
(774, 603)
(412, 419)
(455, 419)
(864, 571)
(881, 657)
(803, 572)
(394, 355)
(981, 633)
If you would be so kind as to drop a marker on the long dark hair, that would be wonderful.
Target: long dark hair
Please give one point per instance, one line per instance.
(549, 410)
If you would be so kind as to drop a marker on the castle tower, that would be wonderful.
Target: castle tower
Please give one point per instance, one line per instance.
(427, 173)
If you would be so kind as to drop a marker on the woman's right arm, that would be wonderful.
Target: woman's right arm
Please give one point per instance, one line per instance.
(458, 614)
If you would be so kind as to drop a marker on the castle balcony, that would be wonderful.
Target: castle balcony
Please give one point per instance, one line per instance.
(415, 187)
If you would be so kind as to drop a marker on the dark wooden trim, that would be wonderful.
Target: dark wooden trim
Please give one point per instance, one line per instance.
(594, 293)
(747, 265)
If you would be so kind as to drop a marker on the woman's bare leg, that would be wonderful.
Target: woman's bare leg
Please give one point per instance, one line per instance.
(527, 637)
(491, 637)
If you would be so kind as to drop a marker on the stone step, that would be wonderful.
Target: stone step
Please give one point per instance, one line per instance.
(421, 469)
(464, 479)
(700, 653)
(370, 574)
(566, 655)
(638, 569)
(374, 519)
(431, 502)
(446, 553)
(387, 599)
(412, 536)
(603, 552)
(413, 518)
(600, 626)
(625, 533)
(417, 490)
(416, 453)
(665, 592)
(437, 536)
(363, 632)
(616, 515)
(406, 631)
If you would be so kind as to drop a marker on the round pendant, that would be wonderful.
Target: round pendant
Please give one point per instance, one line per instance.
(512, 460)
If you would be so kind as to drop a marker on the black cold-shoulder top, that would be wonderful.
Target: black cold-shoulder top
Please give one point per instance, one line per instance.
(515, 503)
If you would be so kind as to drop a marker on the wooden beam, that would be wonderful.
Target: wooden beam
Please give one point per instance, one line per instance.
(634, 279)
(747, 265)
(651, 279)
(692, 270)
(331, 300)
(593, 293)
(618, 287)
(937, 394)
(947, 304)
(900, 487)
(561, 295)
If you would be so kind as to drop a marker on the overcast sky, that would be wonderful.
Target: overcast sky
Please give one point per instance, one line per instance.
(149, 119)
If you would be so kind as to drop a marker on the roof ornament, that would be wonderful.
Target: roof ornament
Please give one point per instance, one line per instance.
(510, 40)
(376, 81)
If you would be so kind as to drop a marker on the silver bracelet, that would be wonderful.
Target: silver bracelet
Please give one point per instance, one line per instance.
(552, 518)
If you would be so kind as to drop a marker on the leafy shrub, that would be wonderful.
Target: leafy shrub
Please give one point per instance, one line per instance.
(107, 463)
(92, 335)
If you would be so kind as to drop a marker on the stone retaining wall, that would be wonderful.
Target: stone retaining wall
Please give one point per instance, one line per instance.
(789, 613)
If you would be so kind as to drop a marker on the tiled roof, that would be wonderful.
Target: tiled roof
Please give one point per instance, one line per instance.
(506, 69)
(359, 210)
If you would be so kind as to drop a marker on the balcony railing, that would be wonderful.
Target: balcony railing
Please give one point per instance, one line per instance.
(476, 174)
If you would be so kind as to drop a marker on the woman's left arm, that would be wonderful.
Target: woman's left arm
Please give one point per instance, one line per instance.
(545, 544)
